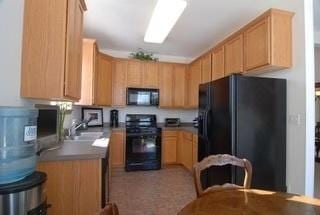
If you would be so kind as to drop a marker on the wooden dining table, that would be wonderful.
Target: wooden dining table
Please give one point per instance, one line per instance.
(251, 201)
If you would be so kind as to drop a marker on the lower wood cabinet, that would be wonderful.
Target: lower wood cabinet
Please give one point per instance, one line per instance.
(169, 147)
(117, 148)
(73, 187)
(194, 149)
(180, 147)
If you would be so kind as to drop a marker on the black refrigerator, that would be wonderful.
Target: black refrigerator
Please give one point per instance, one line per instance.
(245, 117)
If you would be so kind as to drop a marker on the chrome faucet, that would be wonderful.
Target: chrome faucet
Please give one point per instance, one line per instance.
(74, 127)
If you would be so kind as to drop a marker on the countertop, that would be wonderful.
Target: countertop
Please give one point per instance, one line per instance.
(183, 127)
(83, 150)
(77, 150)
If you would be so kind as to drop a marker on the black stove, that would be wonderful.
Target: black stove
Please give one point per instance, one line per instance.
(143, 142)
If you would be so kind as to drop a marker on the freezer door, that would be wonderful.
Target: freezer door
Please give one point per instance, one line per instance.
(261, 130)
(219, 129)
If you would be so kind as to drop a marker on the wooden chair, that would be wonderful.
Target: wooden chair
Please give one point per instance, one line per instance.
(109, 209)
(221, 160)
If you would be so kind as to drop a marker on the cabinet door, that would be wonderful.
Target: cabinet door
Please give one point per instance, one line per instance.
(103, 81)
(206, 68)
(166, 85)
(179, 85)
(187, 151)
(218, 63)
(234, 55)
(194, 79)
(170, 150)
(150, 78)
(74, 50)
(43, 57)
(117, 149)
(134, 74)
(119, 82)
(257, 45)
(194, 149)
(88, 70)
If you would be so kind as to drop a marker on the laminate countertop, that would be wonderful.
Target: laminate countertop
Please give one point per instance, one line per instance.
(76, 150)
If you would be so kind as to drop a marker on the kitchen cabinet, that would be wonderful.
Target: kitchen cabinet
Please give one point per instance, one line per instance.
(134, 73)
(119, 83)
(52, 49)
(234, 55)
(206, 68)
(73, 187)
(193, 81)
(187, 147)
(117, 148)
(218, 63)
(194, 149)
(268, 42)
(169, 144)
(103, 81)
(89, 58)
(179, 84)
(172, 85)
(166, 85)
(150, 78)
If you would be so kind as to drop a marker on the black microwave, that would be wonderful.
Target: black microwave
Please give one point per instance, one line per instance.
(142, 97)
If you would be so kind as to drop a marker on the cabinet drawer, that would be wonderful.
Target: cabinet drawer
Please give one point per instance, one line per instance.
(170, 133)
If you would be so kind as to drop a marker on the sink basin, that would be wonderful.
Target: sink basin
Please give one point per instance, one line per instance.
(91, 134)
(85, 136)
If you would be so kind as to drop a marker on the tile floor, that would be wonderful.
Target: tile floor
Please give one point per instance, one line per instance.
(162, 192)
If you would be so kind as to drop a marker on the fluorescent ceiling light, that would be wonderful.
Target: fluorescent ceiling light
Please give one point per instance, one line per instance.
(164, 17)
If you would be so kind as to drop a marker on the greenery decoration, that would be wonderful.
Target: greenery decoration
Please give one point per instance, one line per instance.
(142, 55)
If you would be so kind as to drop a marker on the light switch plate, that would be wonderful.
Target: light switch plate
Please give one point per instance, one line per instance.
(295, 119)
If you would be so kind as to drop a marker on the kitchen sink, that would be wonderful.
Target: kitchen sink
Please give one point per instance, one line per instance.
(84, 136)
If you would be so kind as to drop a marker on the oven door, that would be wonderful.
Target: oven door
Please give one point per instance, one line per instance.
(143, 149)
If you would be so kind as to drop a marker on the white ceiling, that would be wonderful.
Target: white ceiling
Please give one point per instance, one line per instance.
(121, 24)
(316, 12)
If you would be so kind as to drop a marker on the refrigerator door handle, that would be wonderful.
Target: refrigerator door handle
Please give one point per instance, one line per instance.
(205, 125)
(208, 122)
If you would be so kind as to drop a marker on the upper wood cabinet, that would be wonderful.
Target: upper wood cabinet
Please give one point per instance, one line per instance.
(142, 74)
(150, 78)
(166, 85)
(268, 42)
(206, 68)
(52, 49)
(179, 84)
(218, 63)
(193, 81)
(89, 62)
(257, 45)
(103, 81)
(234, 55)
(134, 74)
(119, 83)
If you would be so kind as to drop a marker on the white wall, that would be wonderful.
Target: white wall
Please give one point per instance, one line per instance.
(317, 38)
(11, 22)
(317, 64)
(184, 115)
(300, 99)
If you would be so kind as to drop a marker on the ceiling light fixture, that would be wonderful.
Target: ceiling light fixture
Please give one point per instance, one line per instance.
(164, 17)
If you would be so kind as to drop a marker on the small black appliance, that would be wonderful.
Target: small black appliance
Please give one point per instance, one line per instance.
(142, 97)
(114, 118)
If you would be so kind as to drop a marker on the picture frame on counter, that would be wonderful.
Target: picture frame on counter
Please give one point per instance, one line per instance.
(96, 115)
